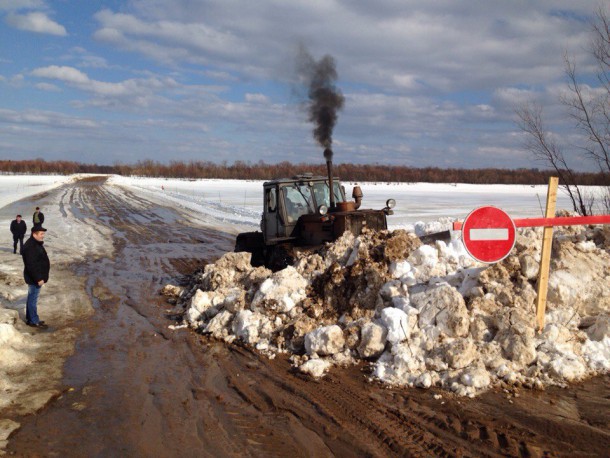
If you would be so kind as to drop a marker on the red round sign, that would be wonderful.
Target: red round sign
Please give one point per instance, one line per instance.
(488, 234)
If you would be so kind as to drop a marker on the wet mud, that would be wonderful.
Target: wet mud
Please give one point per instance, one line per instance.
(134, 387)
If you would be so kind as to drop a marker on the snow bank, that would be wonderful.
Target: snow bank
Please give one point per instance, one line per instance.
(421, 315)
(16, 187)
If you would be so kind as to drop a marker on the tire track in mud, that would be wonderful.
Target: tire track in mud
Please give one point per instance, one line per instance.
(354, 417)
(340, 411)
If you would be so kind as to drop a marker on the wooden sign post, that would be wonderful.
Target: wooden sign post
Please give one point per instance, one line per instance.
(545, 258)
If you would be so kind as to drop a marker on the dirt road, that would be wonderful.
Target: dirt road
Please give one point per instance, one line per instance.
(136, 388)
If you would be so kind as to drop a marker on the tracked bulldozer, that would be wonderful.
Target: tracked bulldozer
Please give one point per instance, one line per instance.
(303, 212)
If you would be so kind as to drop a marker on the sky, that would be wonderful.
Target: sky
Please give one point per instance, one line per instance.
(432, 83)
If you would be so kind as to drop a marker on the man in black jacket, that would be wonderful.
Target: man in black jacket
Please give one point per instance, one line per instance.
(18, 228)
(35, 273)
(38, 217)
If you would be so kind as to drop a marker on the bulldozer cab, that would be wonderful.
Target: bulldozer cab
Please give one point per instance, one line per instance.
(286, 200)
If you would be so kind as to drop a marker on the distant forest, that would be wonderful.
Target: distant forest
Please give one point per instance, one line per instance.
(262, 171)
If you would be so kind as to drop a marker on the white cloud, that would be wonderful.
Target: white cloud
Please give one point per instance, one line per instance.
(511, 96)
(14, 5)
(131, 88)
(47, 87)
(93, 62)
(257, 98)
(167, 40)
(14, 81)
(401, 46)
(36, 22)
(46, 118)
(67, 74)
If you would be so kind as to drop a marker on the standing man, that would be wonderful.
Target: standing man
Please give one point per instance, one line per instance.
(35, 273)
(18, 228)
(38, 217)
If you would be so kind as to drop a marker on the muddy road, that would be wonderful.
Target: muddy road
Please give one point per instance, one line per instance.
(134, 387)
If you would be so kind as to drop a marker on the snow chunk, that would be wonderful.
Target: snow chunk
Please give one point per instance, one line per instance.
(600, 329)
(9, 316)
(567, 367)
(281, 292)
(597, 354)
(442, 306)
(326, 340)
(250, 326)
(398, 324)
(219, 325)
(315, 367)
(9, 335)
(373, 340)
(202, 303)
(476, 377)
(399, 269)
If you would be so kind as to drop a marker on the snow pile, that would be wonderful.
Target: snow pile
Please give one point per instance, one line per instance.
(421, 315)
(15, 350)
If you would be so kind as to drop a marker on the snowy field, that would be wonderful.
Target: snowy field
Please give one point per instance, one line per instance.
(239, 202)
(236, 204)
(16, 187)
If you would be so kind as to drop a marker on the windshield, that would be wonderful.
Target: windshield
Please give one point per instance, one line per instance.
(298, 200)
(320, 190)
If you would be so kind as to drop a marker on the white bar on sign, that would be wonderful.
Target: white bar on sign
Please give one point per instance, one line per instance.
(489, 234)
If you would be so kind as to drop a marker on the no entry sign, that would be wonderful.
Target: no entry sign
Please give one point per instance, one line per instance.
(488, 234)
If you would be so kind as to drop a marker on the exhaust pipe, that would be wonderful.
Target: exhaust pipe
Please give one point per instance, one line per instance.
(357, 195)
(328, 155)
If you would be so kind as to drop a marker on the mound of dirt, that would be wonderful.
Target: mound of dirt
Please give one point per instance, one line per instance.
(420, 315)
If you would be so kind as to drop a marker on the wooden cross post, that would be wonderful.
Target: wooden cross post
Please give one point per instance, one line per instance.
(545, 258)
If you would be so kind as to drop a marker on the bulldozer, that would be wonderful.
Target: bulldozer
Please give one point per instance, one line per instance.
(303, 212)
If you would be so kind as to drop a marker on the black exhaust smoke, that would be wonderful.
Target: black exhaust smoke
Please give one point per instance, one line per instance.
(324, 101)
(324, 98)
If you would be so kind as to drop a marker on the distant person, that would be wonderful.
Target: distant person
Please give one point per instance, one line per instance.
(38, 217)
(18, 229)
(35, 273)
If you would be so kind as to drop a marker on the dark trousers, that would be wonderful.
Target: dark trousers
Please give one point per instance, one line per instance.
(15, 238)
(31, 305)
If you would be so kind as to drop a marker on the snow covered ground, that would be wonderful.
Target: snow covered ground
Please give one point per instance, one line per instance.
(239, 202)
(15, 187)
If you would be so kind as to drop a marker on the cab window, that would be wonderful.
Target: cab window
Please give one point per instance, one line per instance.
(322, 194)
(338, 194)
(298, 201)
(271, 200)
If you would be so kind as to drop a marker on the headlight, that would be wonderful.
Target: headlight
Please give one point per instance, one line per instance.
(390, 203)
(322, 209)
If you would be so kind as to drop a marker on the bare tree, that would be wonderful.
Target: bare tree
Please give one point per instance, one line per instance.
(589, 108)
(541, 144)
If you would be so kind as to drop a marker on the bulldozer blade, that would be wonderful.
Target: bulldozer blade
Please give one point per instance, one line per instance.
(429, 239)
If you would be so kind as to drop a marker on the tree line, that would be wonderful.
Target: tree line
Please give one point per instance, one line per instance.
(263, 171)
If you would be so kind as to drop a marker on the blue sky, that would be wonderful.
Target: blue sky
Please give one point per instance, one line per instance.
(432, 83)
